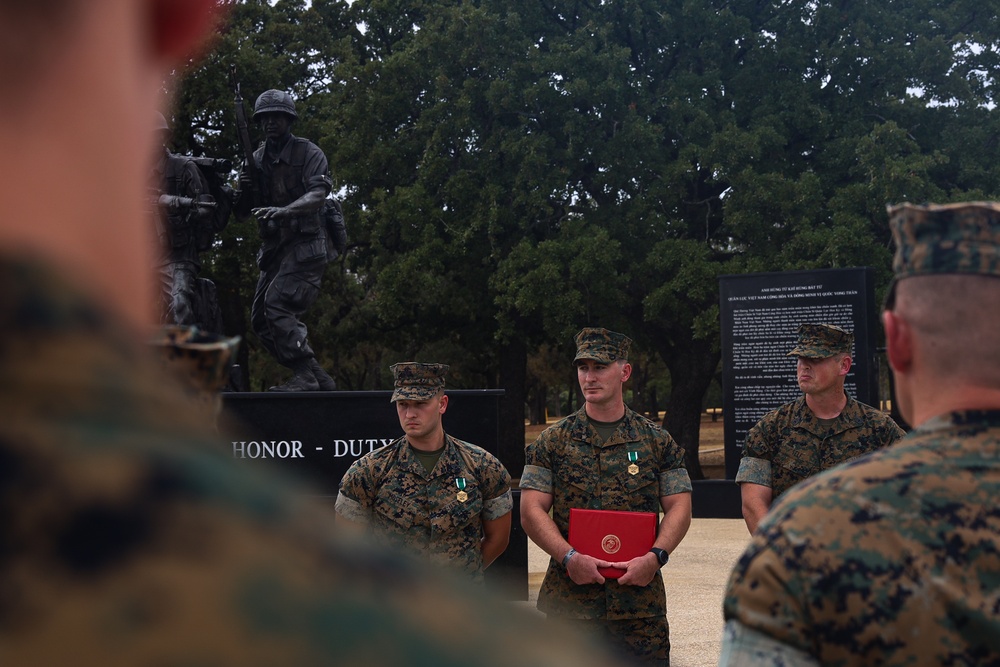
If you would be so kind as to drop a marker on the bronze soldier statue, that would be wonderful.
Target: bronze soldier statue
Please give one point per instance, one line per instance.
(290, 181)
(187, 218)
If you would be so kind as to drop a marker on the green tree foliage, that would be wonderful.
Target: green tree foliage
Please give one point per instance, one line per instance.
(513, 172)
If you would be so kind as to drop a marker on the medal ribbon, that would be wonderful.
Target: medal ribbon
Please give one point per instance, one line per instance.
(633, 457)
(460, 483)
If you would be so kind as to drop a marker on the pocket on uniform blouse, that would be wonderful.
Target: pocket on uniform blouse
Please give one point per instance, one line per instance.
(634, 484)
(395, 513)
(457, 515)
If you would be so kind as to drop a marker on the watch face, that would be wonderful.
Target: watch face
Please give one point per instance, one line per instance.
(661, 556)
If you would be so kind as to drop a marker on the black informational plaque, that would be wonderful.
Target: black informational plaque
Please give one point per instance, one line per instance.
(759, 316)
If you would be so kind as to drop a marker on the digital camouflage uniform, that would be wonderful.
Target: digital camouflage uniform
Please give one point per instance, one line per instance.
(893, 559)
(200, 360)
(130, 537)
(439, 514)
(390, 491)
(790, 444)
(568, 461)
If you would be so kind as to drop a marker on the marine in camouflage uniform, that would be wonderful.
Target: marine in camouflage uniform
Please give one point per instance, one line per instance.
(894, 559)
(791, 443)
(442, 503)
(635, 467)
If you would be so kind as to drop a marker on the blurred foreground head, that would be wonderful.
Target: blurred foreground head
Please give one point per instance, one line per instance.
(128, 536)
(940, 314)
(79, 80)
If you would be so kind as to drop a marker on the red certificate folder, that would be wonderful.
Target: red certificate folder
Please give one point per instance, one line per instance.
(611, 535)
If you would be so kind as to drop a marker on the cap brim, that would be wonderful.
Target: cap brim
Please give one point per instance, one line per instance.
(593, 357)
(413, 394)
(811, 353)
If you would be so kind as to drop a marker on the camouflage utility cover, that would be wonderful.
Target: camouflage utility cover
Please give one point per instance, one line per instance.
(390, 491)
(820, 341)
(130, 537)
(201, 359)
(413, 381)
(601, 345)
(790, 444)
(892, 560)
(946, 238)
(568, 461)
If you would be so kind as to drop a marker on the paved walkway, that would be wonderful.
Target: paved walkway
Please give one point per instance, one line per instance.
(695, 579)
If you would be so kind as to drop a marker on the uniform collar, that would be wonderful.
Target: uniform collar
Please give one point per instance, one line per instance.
(850, 416)
(962, 418)
(583, 431)
(448, 464)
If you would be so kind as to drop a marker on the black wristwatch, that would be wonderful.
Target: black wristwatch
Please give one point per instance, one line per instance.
(661, 555)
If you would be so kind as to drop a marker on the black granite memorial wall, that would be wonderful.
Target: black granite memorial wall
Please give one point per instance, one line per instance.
(316, 436)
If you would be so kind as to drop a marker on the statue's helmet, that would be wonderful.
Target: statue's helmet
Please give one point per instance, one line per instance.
(160, 123)
(274, 100)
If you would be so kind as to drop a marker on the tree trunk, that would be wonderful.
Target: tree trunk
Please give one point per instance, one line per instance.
(692, 366)
(538, 404)
(513, 359)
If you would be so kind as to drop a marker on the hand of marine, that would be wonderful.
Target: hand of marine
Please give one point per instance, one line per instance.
(639, 571)
(582, 569)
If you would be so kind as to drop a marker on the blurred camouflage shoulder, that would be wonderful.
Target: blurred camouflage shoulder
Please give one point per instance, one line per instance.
(906, 539)
(130, 538)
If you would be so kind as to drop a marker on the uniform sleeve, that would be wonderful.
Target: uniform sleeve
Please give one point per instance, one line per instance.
(744, 647)
(497, 498)
(755, 471)
(765, 592)
(537, 473)
(892, 432)
(673, 476)
(675, 481)
(760, 440)
(357, 493)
